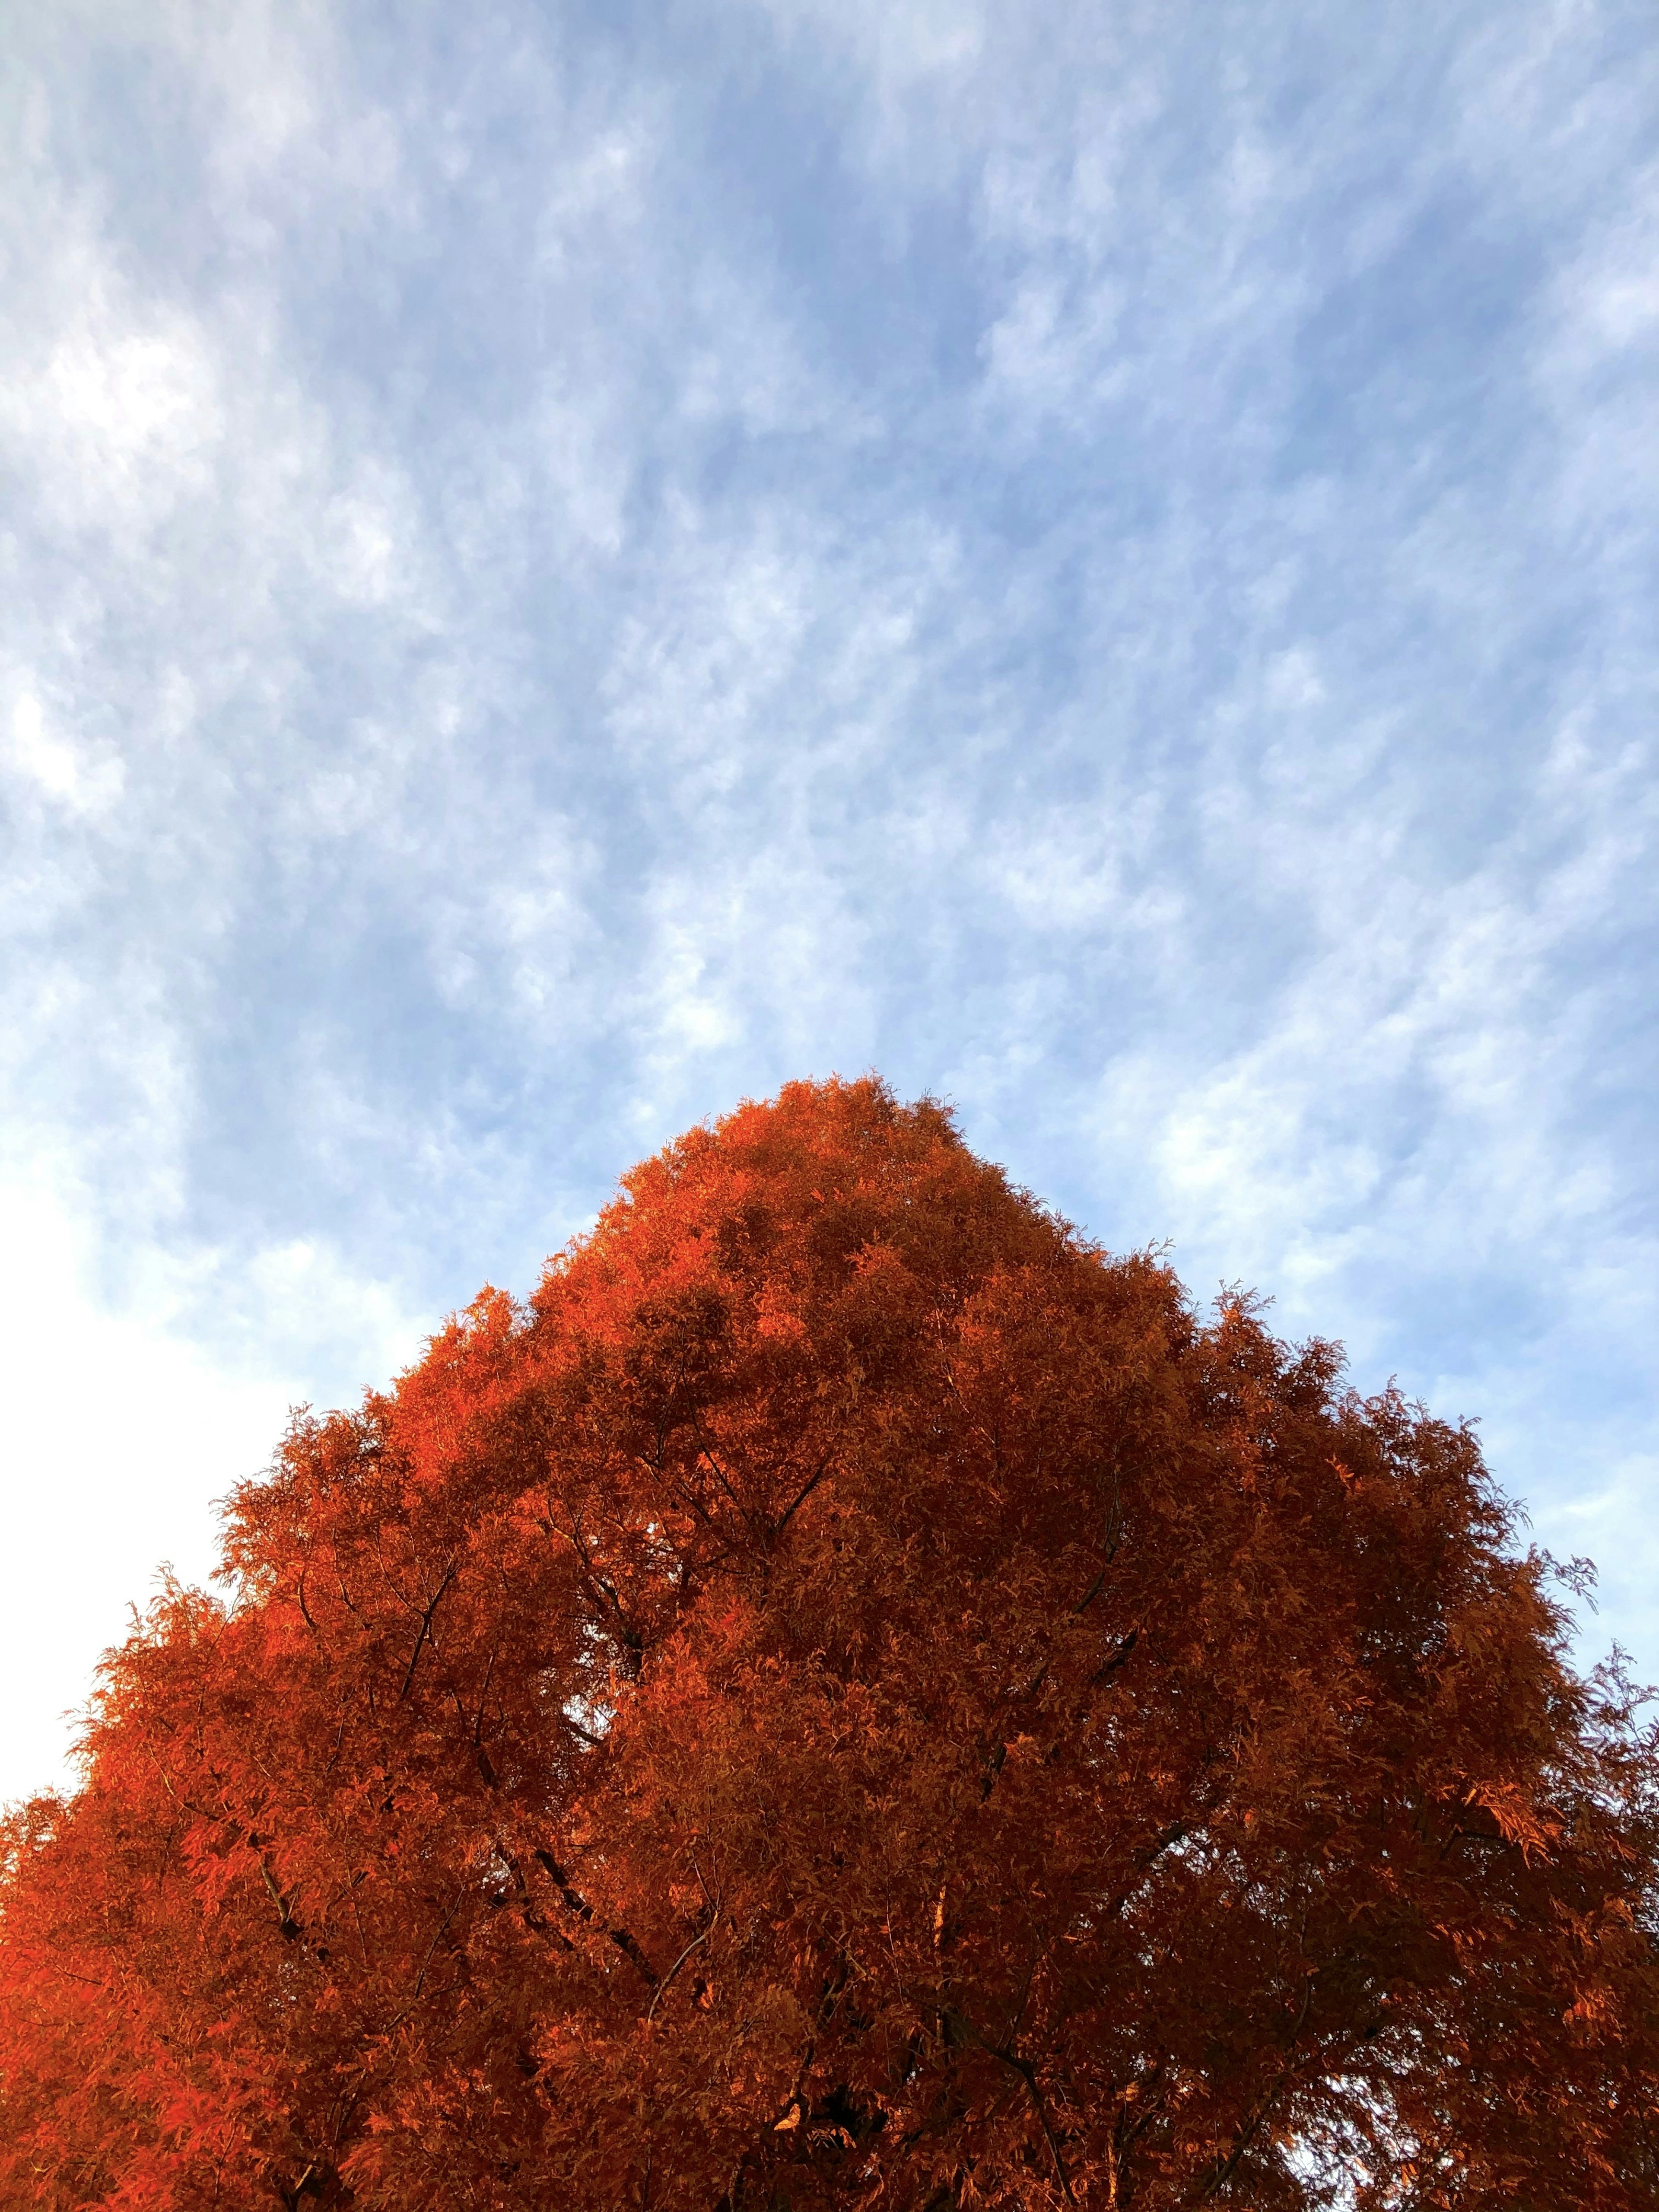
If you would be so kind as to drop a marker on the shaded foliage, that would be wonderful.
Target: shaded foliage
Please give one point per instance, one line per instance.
(851, 1695)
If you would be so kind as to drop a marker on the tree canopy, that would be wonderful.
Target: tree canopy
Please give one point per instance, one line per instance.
(851, 1693)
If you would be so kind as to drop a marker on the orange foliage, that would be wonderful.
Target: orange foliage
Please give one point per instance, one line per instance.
(851, 1695)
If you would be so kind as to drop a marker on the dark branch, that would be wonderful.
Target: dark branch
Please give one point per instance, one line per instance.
(578, 1904)
(425, 1629)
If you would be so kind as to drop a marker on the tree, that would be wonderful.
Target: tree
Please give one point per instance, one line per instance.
(851, 1695)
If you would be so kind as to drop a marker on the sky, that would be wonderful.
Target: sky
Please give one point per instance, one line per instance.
(561, 566)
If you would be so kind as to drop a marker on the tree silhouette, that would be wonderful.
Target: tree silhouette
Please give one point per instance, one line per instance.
(850, 1695)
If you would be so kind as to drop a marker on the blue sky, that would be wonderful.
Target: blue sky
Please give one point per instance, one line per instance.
(560, 567)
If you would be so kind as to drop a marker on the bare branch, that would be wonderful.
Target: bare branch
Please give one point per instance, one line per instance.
(578, 1904)
(425, 1629)
(799, 1499)
(695, 1944)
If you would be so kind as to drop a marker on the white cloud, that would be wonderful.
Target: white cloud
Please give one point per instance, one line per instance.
(121, 1435)
(57, 766)
(116, 415)
(899, 46)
